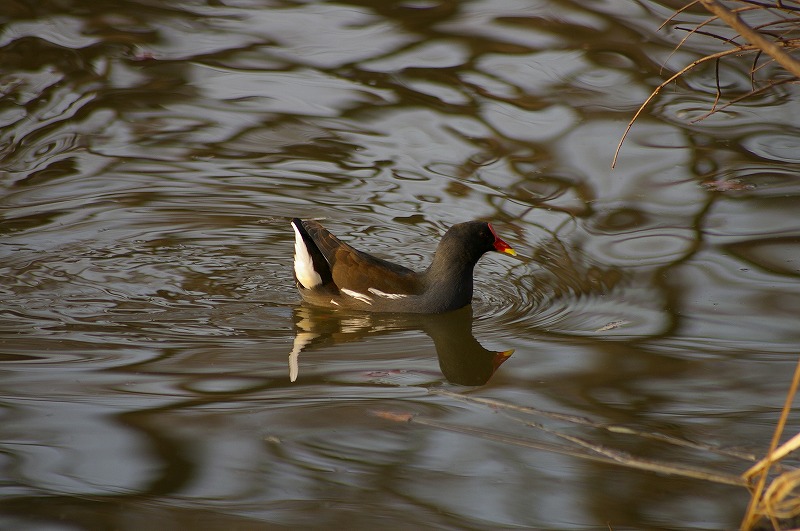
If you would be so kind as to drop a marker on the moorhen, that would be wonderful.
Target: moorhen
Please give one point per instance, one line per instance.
(330, 273)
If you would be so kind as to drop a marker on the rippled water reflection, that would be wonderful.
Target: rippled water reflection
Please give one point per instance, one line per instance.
(152, 156)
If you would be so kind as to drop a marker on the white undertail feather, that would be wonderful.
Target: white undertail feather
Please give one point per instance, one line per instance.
(303, 264)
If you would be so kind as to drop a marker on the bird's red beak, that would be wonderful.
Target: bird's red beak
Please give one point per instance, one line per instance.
(500, 246)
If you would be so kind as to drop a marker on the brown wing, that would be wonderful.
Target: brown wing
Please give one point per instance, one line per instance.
(354, 270)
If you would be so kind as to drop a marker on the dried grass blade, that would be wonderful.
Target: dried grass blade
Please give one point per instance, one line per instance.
(785, 449)
(583, 421)
(608, 456)
(751, 516)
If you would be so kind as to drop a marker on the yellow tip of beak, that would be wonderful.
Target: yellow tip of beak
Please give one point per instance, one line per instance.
(510, 251)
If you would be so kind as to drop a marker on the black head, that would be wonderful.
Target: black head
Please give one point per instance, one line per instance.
(475, 238)
(450, 272)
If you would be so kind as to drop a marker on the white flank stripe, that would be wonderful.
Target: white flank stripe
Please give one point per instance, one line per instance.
(387, 295)
(357, 295)
(334, 302)
(303, 265)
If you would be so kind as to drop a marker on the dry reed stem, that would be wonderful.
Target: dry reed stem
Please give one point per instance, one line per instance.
(596, 453)
(756, 501)
(583, 421)
(781, 499)
(785, 449)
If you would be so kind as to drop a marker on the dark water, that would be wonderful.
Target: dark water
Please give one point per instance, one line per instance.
(152, 154)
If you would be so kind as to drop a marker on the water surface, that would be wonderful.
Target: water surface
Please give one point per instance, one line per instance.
(151, 156)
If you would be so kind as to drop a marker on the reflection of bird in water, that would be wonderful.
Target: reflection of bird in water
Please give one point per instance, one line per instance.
(331, 274)
(462, 359)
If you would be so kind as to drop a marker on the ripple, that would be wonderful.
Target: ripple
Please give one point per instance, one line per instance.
(147, 313)
(780, 256)
(613, 316)
(324, 36)
(569, 293)
(762, 180)
(436, 54)
(641, 248)
(62, 30)
(754, 113)
(775, 145)
(535, 126)
(545, 307)
(300, 92)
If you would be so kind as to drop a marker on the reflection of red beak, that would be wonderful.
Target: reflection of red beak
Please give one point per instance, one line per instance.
(499, 245)
(500, 357)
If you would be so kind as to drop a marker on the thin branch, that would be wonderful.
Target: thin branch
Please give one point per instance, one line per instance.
(753, 70)
(718, 95)
(757, 39)
(678, 12)
(691, 32)
(733, 20)
(774, 5)
(752, 93)
(667, 82)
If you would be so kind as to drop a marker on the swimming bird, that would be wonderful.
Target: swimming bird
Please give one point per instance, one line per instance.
(331, 273)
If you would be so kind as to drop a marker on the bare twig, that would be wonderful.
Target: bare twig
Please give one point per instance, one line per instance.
(774, 50)
(775, 38)
(676, 13)
(667, 82)
(734, 101)
(778, 4)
